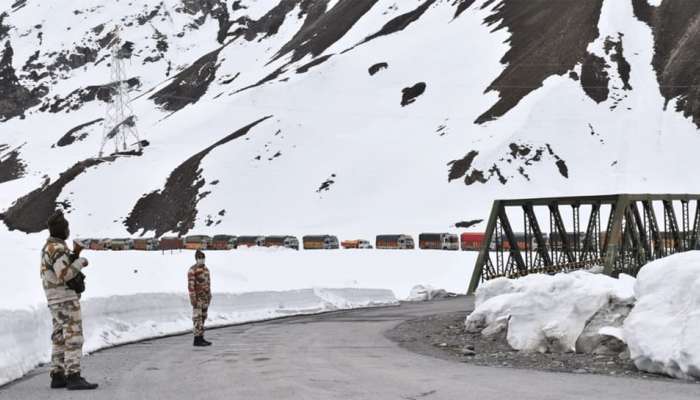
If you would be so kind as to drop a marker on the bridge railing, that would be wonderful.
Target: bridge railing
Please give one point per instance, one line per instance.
(619, 233)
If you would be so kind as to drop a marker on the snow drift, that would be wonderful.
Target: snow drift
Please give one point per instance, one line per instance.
(663, 330)
(109, 321)
(542, 312)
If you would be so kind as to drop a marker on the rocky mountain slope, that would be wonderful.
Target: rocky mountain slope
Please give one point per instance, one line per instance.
(351, 116)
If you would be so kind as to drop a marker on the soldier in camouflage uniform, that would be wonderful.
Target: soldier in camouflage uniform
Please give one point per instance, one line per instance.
(63, 282)
(199, 286)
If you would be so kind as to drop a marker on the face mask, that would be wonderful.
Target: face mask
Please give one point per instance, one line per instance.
(200, 261)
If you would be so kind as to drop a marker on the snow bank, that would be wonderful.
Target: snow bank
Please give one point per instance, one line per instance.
(543, 312)
(133, 295)
(24, 335)
(663, 329)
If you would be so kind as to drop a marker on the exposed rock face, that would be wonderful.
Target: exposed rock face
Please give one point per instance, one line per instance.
(11, 166)
(519, 157)
(270, 23)
(462, 6)
(374, 69)
(15, 99)
(3, 28)
(595, 79)
(30, 212)
(320, 60)
(409, 94)
(76, 99)
(320, 31)
(547, 38)
(190, 85)
(78, 133)
(401, 22)
(676, 28)
(208, 8)
(174, 209)
(618, 56)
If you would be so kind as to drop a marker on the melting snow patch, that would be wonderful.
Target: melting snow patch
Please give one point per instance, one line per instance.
(427, 293)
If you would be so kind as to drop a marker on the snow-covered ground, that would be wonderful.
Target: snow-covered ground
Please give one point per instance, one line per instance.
(135, 295)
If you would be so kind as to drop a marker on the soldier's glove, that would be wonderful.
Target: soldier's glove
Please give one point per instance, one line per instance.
(77, 284)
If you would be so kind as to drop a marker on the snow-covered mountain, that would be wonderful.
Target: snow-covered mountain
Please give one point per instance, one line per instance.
(344, 116)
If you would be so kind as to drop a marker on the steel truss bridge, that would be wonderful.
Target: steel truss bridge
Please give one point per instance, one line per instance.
(620, 232)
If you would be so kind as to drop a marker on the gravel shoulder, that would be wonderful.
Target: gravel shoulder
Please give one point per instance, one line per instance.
(443, 336)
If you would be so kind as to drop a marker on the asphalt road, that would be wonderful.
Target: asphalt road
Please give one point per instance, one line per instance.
(340, 355)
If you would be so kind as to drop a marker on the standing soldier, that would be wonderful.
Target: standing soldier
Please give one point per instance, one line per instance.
(199, 285)
(63, 283)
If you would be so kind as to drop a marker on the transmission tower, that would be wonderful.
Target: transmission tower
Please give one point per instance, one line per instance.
(119, 121)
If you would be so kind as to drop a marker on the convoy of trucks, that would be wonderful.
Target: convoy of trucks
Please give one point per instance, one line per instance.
(468, 241)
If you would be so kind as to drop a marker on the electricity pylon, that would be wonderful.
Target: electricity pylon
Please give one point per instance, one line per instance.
(120, 121)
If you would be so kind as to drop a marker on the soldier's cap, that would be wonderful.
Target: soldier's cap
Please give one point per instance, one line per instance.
(57, 224)
(199, 254)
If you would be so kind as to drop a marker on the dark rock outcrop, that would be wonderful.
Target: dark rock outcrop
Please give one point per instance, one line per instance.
(519, 157)
(15, 99)
(4, 29)
(462, 6)
(401, 22)
(320, 60)
(594, 78)
(174, 208)
(546, 38)
(676, 28)
(624, 68)
(77, 98)
(377, 67)
(190, 85)
(409, 94)
(11, 166)
(30, 212)
(321, 30)
(76, 134)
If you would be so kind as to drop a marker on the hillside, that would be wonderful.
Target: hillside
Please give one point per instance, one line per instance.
(347, 116)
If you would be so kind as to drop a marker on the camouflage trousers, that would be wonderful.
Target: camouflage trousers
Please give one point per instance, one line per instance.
(199, 316)
(67, 337)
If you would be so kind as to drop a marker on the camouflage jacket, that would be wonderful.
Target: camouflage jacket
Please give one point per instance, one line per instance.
(58, 266)
(199, 285)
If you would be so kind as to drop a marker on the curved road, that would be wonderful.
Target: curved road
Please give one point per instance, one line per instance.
(341, 355)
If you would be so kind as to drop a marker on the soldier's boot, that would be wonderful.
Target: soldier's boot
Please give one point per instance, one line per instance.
(206, 342)
(58, 380)
(77, 382)
(199, 341)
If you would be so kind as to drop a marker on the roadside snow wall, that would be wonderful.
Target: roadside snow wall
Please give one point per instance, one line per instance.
(25, 334)
(542, 312)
